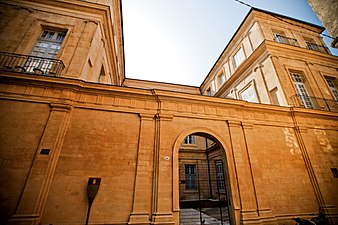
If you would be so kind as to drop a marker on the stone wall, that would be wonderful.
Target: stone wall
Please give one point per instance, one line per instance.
(326, 11)
(278, 159)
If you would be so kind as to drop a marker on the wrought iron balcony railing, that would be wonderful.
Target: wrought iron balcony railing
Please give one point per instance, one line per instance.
(305, 101)
(30, 64)
(309, 45)
(318, 48)
(286, 40)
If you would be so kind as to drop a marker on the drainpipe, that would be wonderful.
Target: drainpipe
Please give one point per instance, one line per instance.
(159, 103)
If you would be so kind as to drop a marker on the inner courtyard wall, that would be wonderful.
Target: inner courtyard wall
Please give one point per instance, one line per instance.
(128, 136)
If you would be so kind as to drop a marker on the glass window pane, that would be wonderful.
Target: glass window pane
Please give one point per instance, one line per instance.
(332, 86)
(190, 177)
(239, 57)
(249, 94)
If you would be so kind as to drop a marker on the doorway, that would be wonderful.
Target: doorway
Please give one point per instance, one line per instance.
(203, 198)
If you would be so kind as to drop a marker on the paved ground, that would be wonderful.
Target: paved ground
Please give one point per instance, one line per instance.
(192, 217)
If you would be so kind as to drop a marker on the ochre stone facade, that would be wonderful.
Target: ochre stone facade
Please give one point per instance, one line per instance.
(58, 131)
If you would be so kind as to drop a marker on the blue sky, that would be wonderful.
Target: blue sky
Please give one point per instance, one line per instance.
(178, 41)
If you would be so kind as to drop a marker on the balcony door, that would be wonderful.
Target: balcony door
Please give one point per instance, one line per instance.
(48, 44)
(45, 50)
(301, 89)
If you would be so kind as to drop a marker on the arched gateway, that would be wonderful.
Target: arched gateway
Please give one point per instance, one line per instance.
(202, 187)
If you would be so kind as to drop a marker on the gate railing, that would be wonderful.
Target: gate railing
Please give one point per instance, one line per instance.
(30, 64)
(206, 201)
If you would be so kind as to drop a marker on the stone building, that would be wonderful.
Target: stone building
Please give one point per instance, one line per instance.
(327, 12)
(264, 122)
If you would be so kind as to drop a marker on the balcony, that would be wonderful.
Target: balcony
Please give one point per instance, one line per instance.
(309, 45)
(285, 40)
(30, 64)
(318, 48)
(304, 101)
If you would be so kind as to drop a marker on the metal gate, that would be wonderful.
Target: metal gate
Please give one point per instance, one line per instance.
(203, 198)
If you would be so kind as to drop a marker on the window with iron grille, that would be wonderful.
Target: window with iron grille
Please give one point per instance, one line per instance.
(301, 89)
(281, 39)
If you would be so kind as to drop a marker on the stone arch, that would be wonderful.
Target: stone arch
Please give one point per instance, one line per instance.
(206, 132)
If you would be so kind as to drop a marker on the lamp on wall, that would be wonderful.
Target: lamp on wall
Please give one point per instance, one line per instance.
(92, 189)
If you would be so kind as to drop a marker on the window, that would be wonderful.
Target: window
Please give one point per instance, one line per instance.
(311, 44)
(274, 96)
(331, 82)
(102, 74)
(280, 37)
(219, 175)
(189, 140)
(334, 172)
(48, 44)
(249, 94)
(190, 177)
(209, 92)
(221, 79)
(239, 57)
(301, 89)
(46, 48)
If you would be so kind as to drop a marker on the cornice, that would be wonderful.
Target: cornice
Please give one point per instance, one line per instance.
(80, 9)
(72, 85)
(108, 97)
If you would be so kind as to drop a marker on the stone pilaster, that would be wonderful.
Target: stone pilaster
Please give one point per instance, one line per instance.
(162, 192)
(248, 201)
(34, 196)
(284, 79)
(142, 189)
